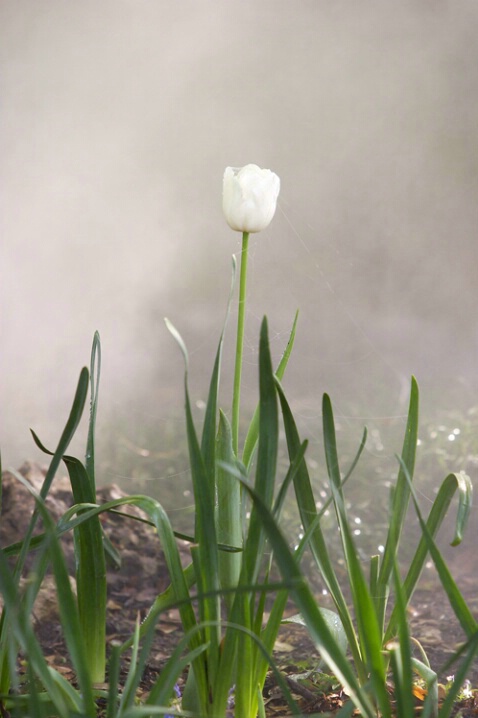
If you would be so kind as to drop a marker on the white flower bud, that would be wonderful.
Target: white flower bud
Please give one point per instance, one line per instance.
(249, 197)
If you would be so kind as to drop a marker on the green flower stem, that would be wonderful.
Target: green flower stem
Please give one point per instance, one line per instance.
(236, 399)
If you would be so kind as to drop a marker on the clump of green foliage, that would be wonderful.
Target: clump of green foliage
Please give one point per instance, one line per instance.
(222, 595)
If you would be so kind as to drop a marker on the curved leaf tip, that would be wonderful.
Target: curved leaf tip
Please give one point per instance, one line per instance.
(179, 340)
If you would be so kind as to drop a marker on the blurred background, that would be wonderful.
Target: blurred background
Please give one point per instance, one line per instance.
(117, 121)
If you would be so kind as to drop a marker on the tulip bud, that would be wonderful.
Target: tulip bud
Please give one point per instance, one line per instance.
(249, 197)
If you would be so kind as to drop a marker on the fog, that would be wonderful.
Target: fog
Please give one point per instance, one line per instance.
(117, 121)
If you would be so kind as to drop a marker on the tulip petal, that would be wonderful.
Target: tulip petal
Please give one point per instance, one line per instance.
(249, 197)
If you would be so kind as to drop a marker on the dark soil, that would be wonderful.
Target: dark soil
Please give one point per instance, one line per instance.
(143, 574)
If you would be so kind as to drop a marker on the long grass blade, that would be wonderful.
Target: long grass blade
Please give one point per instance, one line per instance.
(270, 631)
(114, 665)
(136, 669)
(370, 633)
(67, 434)
(229, 509)
(253, 431)
(181, 579)
(24, 634)
(254, 545)
(457, 602)
(209, 609)
(90, 566)
(208, 439)
(68, 608)
(163, 688)
(453, 482)
(308, 514)
(400, 653)
(95, 372)
(203, 489)
(330, 651)
(401, 497)
(266, 457)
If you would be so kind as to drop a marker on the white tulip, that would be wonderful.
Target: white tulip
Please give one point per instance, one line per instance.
(249, 197)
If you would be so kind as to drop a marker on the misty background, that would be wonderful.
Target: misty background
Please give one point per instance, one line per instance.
(117, 121)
